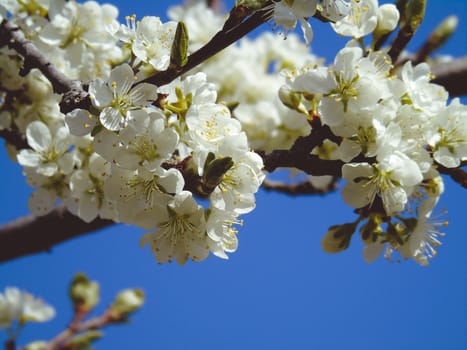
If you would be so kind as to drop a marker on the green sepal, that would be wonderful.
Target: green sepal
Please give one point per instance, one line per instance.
(370, 231)
(232, 105)
(97, 129)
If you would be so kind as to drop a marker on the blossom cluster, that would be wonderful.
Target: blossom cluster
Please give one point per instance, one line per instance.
(142, 154)
(179, 160)
(252, 78)
(396, 129)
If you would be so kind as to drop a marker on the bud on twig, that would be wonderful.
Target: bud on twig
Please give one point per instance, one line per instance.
(291, 99)
(414, 14)
(127, 302)
(84, 293)
(439, 36)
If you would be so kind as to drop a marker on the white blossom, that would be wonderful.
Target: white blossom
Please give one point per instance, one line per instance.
(335, 10)
(181, 231)
(153, 42)
(49, 153)
(424, 238)
(393, 179)
(19, 306)
(87, 199)
(447, 135)
(137, 194)
(117, 98)
(388, 18)
(423, 95)
(288, 12)
(361, 20)
(147, 146)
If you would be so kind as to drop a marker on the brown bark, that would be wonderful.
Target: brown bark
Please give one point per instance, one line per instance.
(31, 234)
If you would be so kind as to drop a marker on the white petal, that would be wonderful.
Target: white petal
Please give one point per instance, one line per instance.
(307, 31)
(101, 95)
(80, 122)
(372, 251)
(112, 119)
(356, 195)
(41, 201)
(28, 158)
(38, 136)
(123, 77)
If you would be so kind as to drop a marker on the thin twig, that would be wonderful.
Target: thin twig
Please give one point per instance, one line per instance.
(234, 30)
(63, 340)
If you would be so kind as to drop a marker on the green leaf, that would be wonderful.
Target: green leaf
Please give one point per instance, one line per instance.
(179, 53)
(214, 171)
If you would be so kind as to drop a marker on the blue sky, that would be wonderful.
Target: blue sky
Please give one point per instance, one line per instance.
(279, 290)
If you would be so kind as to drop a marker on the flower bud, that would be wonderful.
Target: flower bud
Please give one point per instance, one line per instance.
(415, 12)
(127, 301)
(290, 98)
(388, 17)
(84, 293)
(338, 238)
(443, 31)
(179, 53)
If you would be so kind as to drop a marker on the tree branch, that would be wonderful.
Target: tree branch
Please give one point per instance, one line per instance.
(308, 163)
(299, 156)
(457, 174)
(31, 234)
(74, 94)
(15, 138)
(453, 76)
(302, 188)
